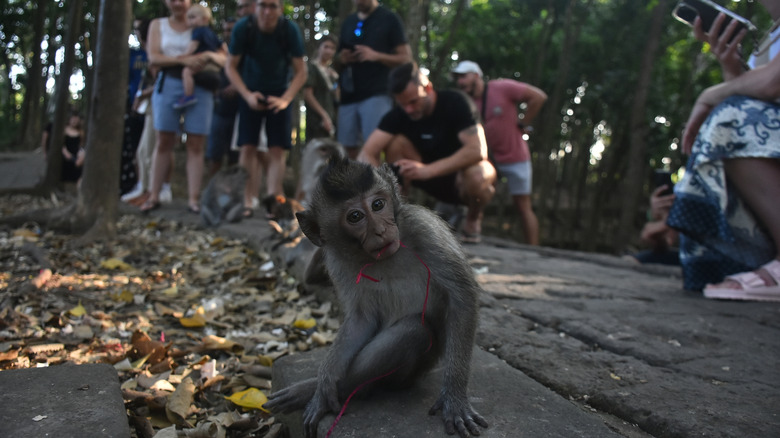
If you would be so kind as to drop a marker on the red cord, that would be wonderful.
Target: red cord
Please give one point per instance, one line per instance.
(430, 336)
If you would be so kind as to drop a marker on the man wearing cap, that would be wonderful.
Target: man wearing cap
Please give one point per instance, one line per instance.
(435, 140)
(497, 101)
(371, 42)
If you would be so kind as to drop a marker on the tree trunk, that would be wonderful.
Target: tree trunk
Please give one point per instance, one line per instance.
(547, 141)
(637, 158)
(98, 198)
(414, 22)
(441, 59)
(61, 96)
(32, 107)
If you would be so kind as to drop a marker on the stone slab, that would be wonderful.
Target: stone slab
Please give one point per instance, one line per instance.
(62, 401)
(513, 404)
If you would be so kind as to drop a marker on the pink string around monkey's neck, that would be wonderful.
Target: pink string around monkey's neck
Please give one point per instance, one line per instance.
(360, 276)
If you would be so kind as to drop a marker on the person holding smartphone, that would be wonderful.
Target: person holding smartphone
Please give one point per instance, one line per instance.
(726, 205)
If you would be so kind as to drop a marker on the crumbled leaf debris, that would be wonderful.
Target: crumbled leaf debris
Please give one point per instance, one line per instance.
(191, 321)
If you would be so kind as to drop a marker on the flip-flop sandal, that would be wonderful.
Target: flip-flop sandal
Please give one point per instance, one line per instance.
(753, 286)
(149, 206)
(470, 237)
(193, 209)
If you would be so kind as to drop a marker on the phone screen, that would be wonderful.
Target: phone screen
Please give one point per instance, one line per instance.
(663, 177)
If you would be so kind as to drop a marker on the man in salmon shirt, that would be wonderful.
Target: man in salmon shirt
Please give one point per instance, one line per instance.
(497, 101)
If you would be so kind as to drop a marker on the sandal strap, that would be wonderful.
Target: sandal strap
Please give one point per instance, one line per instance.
(773, 269)
(748, 280)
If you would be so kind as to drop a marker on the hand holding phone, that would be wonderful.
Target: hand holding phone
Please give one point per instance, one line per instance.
(687, 11)
(663, 178)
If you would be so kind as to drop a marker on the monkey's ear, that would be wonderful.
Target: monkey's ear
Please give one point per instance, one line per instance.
(309, 226)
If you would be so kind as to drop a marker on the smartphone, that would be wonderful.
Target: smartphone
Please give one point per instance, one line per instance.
(687, 10)
(663, 177)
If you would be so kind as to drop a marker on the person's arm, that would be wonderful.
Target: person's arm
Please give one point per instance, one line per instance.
(299, 78)
(762, 83)
(231, 71)
(402, 54)
(191, 48)
(534, 100)
(312, 104)
(371, 152)
(472, 151)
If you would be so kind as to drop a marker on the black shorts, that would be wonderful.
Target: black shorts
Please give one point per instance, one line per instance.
(442, 188)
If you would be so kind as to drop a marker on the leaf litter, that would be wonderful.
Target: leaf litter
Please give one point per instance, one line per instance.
(191, 321)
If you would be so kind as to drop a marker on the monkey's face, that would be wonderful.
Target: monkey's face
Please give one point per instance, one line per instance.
(370, 220)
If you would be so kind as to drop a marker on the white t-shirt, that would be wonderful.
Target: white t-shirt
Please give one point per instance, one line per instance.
(173, 43)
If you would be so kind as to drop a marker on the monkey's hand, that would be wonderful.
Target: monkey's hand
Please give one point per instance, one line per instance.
(458, 415)
(326, 398)
(291, 398)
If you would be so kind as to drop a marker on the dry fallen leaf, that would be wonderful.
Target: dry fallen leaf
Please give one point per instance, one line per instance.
(115, 264)
(251, 398)
(178, 407)
(78, 310)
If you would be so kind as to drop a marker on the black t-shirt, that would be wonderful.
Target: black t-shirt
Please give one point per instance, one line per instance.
(383, 32)
(435, 137)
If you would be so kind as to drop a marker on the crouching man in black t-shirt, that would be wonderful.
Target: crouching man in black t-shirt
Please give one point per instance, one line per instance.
(437, 143)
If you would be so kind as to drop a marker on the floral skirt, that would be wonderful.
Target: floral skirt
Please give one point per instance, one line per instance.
(719, 235)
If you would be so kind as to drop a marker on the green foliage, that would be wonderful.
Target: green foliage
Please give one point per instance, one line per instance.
(602, 41)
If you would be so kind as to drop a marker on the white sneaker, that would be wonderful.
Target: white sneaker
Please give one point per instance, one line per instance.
(137, 191)
(166, 196)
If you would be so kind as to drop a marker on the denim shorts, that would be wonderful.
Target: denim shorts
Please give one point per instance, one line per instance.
(197, 118)
(518, 177)
(358, 120)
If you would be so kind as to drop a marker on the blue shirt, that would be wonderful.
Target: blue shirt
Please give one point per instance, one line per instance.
(207, 39)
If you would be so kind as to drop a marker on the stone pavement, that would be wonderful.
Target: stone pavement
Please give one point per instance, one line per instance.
(577, 344)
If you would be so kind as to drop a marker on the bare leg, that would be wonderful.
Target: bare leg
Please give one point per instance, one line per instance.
(188, 82)
(195, 150)
(248, 160)
(276, 167)
(161, 164)
(352, 152)
(528, 218)
(758, 182)
(476, 188)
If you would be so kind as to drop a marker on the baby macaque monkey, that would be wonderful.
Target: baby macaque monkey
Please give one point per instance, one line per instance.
(223, 198)
(408, 295)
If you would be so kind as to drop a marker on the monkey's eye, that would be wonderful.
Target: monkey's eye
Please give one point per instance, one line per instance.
(378, 204)
(355, 216)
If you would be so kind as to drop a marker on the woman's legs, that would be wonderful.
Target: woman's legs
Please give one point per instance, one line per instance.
(758, 182)
(161, 162)
(195, 152)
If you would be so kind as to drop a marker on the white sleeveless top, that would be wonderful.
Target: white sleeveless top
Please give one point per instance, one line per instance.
(767, 50)
(173, 43)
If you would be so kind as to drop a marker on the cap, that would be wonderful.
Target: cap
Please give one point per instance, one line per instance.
(464, 67)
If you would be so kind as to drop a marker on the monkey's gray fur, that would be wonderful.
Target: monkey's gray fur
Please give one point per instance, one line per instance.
(223, 198)
(314, 160)
(361, 224)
